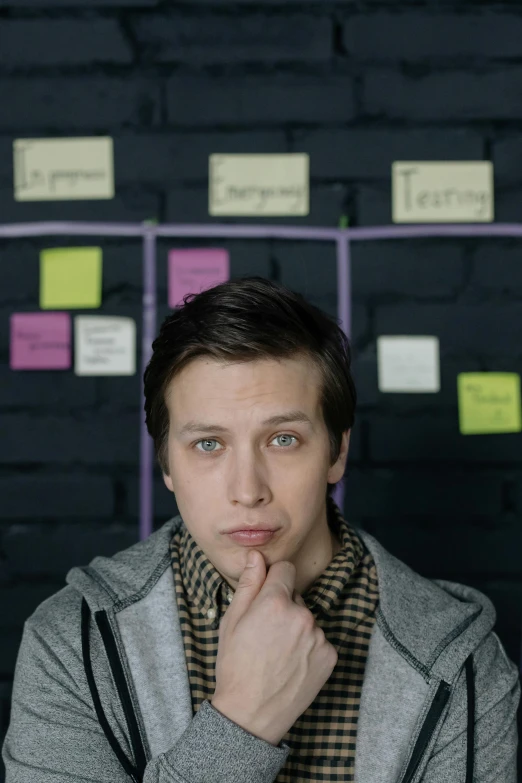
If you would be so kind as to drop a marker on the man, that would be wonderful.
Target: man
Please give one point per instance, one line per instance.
(116, 673)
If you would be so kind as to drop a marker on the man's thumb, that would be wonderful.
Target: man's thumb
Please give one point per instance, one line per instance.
(249, 584)
(252, 570)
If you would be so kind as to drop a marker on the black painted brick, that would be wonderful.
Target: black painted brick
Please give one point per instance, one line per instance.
(42, 42)
(457, 95)
(281, 98)
(221, 39)
(82, 104)
(89, 438)
(420, 34)
(386, 493)
(418, 438)
(416, 269)
(478, 329)
(55, 497)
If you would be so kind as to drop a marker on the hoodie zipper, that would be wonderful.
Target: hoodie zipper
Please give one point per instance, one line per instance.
(116, 666)
(439, 702)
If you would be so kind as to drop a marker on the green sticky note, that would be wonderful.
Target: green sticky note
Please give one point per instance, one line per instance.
(70, 277)
(489, 402)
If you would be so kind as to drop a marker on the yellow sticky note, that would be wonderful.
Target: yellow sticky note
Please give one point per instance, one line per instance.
(70, 277)
(489, 402)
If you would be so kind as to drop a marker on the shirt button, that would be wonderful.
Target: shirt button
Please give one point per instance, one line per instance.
(229, 597)
(211, 614)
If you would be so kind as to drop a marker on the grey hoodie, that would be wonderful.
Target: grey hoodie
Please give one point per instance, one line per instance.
(101, 692)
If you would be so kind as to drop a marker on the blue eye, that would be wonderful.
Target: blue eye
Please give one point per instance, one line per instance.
(213, 440)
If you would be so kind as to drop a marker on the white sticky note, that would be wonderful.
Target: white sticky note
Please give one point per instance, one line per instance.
(104, 345)
(63, 169)
(447, 192)
(408, 364)
(259, 184)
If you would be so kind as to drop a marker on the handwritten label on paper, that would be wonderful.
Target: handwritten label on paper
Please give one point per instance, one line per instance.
(449, 192)
(63, 169)
(104, 345)
(408, 364)
(40, 341)
(193, 270)
(259, 184)
(489, 402)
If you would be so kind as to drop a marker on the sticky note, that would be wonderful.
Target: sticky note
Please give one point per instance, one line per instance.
(70, 277)
(104, 345)
(40, 341)
(193, 270)
(408, 364)
(259, 184)
(442, 192)
(489, 402)
(61, 169)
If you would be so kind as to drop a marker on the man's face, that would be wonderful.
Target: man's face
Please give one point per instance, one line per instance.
(253, 473)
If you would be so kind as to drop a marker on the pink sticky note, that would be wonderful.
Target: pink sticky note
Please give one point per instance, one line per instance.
(40, 341)
(194, 270)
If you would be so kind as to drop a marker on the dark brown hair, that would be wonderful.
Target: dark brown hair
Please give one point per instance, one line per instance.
(241, 320)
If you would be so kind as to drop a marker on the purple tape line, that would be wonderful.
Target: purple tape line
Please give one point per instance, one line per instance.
(342, 237)
(45, 228)
(148, 335)
(344, 310)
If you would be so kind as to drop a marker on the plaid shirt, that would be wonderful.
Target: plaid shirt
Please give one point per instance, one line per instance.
(343, 600)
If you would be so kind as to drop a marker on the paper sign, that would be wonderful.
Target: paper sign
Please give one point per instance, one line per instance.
(40, 341)
(489, 402)
(259, 184)
(194, 270)
(449, 192)
(104, 345)
(70, 277)
(63, 169)
(408, 364)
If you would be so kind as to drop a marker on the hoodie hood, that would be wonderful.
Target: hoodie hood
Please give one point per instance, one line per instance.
(456, 617)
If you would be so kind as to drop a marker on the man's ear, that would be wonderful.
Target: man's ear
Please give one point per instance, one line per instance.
(336, 472)
(168, 482)
(345, 447)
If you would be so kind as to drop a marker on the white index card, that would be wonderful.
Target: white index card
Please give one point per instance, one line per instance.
(408, 364)
(104, 345)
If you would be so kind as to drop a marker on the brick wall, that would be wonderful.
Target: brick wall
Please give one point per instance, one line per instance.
(357, 85)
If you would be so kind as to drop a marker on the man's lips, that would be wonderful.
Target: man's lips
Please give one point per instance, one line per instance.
(252, 530)
(252, 537)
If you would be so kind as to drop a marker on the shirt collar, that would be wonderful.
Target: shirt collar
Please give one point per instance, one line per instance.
(207, 590)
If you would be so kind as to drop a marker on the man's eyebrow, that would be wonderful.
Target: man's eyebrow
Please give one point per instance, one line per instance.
(280, 418)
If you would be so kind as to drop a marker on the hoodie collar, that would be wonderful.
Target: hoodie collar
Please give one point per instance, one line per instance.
(435, 624)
